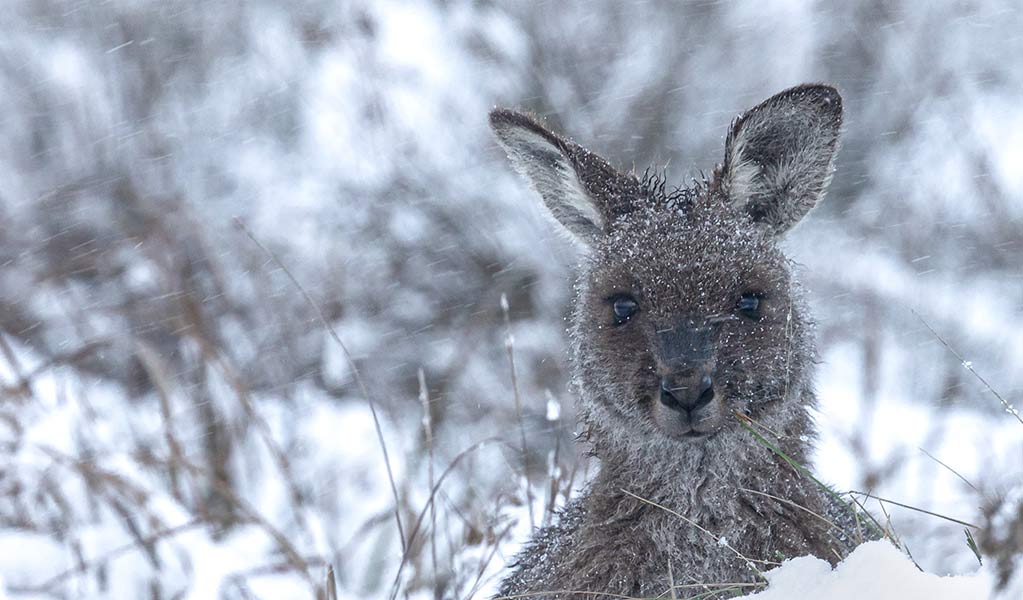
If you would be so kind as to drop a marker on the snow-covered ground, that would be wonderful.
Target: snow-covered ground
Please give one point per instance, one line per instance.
(875, 570)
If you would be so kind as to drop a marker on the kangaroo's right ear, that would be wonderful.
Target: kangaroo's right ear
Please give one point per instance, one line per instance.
(779, 155)
(560, 171)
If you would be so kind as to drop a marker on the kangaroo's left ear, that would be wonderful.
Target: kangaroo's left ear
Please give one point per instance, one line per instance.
(779, 155)
(581, 190)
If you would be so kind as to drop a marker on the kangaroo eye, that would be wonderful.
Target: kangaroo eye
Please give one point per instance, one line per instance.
(749, 305)
(623, 308)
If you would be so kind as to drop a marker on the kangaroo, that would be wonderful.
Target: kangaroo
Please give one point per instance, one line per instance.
(688, 333)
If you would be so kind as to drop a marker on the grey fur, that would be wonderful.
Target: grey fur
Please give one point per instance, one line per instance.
(686, 257)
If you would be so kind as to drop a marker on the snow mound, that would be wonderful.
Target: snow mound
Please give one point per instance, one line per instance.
(875, 570)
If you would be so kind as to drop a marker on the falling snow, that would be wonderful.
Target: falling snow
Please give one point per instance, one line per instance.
(178, 420)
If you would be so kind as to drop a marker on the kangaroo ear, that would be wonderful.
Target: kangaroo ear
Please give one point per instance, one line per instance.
(779, 155)
(577, 187)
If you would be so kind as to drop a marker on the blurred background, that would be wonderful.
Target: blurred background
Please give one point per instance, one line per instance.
(195, 197)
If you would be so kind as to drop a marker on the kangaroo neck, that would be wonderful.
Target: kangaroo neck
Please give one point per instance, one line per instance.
(698, 478)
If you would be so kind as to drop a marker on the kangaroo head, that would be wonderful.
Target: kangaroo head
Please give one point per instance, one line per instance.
(686, 312)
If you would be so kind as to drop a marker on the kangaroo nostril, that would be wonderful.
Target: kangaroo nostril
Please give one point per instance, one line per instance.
(706, 393)
(666, 396)
(684, 396)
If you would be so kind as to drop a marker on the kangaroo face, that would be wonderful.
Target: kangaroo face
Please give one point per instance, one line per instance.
(686, 342)
(685, 312)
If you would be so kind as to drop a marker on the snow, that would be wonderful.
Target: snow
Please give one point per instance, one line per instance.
(875, 570)
(351, 138)
(553, 407)
(25, 556)
(973, 447)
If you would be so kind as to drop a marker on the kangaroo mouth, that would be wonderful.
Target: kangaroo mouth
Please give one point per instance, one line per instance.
(691, 435)
(687, 428)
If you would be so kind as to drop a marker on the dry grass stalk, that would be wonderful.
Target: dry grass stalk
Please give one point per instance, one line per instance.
(1009, 408)
(355, 373)
(424, 399)
(509, 345)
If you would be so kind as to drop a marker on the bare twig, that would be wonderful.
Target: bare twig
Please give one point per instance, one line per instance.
(890, 528)
(92, 472)
(331, 584)
(486, 561)
(509, 344)
(22, 385)
(424, 398)
(157, 372)
(294, 558)
(230, 373)
(859, 530)
(53, 360)
(554, 475)
(1009, 408)
(429, 502)
(953, 471)
(355, 373)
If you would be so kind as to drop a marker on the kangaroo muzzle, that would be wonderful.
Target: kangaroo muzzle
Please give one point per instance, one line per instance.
(686, 362)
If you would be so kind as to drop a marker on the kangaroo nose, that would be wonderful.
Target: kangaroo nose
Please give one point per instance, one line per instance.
(688, 394)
